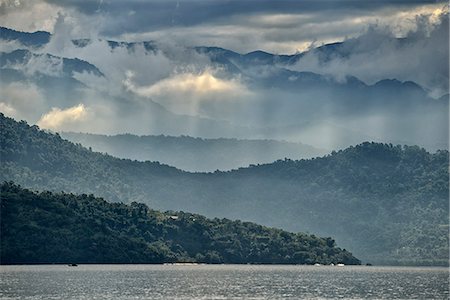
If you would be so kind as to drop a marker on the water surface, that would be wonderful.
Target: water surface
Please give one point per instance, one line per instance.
(222, 282)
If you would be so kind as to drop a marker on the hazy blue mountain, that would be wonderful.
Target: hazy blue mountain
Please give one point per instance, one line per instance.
(56, 78)
(65, 67)
(225, 57)
(148, 45)
(322, 111)
(53, 75)
(31, 39)
(39, 39)
(311, 104)
(282, 103)
(194, 154)
(385, 203)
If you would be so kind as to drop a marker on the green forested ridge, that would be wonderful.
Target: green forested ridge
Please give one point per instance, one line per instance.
(385, 203)
(66, 228)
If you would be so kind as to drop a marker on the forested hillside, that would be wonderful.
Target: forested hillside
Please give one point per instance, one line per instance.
(66, 228)
(385, 203)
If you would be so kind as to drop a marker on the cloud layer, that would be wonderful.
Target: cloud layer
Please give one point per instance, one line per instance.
(378, 54)
(284, 26)
(170, 88)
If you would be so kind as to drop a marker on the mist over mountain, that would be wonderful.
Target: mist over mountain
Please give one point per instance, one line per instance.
(297, 135)
(385, 203)
(155, 87)
(194, 154)
(29, 39)
(383, 82)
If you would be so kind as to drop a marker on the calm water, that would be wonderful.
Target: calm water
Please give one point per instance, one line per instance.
(221, 282)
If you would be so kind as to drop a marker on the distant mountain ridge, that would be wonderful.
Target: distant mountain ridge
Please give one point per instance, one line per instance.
(385, 203)
(68, 65)
(194, 154)
(319, 109)
(32, 39)
(39, 39)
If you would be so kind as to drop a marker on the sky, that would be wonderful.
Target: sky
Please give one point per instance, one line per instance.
(176, 90)
(284, 26)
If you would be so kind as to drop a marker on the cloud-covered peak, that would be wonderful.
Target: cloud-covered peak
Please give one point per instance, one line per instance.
(284, 26)
(353, 70)
(379, 54)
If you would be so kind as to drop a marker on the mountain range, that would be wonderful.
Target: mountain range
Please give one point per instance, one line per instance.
(242, 136)
(385, 203)
(214, 92)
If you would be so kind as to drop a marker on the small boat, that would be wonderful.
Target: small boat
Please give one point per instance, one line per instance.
(340, 265)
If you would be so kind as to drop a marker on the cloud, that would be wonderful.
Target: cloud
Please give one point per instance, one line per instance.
(148, 66)
(90, 116)
(280, 27)
(190, 93)
(204, 83)
(141, 16)
(284, 26)
(21, 100)
(378, 54)
(145, 91)
(28, 15)
(44, 64)
(176, 77)
(8, 110)
(9, 46)
(62, 119)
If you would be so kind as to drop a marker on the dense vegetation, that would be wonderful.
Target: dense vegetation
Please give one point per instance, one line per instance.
(193, 154)
(65, 228)
(385, 203)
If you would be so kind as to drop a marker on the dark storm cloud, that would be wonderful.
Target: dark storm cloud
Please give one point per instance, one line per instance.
(282, 27)
(140, 16)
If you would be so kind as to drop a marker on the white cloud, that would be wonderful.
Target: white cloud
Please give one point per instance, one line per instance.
(9, 46)
(28, 15)
(191, 93)
(148, 66)
(45, 64)
(62, 119)
(201, 84)
(377, 55)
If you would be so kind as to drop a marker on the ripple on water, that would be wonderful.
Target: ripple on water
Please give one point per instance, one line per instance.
(221, 282)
